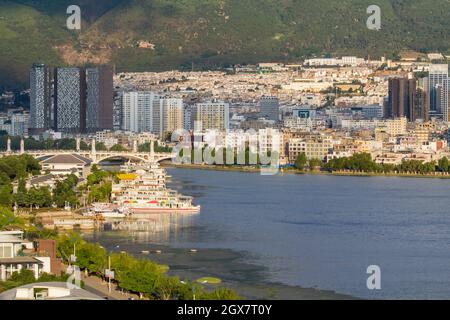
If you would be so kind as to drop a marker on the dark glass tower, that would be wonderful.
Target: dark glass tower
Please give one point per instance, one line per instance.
(99, 99)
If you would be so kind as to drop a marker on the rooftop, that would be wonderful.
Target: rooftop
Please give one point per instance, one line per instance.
(19, 260)
(55, 291)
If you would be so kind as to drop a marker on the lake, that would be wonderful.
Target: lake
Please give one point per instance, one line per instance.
(313, 231)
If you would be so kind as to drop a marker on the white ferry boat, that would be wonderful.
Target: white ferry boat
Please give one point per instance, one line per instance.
(142, 189)
(106, 211)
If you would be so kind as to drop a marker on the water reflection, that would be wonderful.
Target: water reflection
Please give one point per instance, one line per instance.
(153, 227)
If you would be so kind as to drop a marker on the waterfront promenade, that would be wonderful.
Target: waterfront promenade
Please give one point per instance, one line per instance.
(97, 286)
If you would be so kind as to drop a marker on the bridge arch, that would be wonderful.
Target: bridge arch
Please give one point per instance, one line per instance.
(100, 158)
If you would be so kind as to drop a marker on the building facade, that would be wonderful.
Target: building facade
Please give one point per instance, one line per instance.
(438, 82)
(211, 115)
(99, 99)
(269, 108)
(40, 99)
(70, 102)
(138, 111)
(168, 116)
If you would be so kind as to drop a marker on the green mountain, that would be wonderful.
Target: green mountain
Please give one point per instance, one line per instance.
(209, 32)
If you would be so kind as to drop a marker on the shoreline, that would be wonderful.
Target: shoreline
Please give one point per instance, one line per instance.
(437, 175)
(226, 264)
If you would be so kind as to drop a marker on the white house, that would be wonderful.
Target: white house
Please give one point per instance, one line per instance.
(10, 260)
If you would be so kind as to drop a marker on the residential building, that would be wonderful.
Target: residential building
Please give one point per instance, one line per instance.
(19, 124)
(211, 115)
(10, 259)
(138, 111)
(168, 116)
(40, 99)
(70, 102)
(314, 147)
(187, 114)
(438, 99)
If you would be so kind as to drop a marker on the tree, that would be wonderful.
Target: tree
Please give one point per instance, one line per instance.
(146, 147)
(121, 263)
(443, 164)
(84, 146)
(300, 162)
(91, 257)
(100, 146)
(220, 294)
(118, 148)
(21, 196)
(142, 277)
(314, 163)
(23, 277)
(66, 244)
(5, 195)
(64, 191)
(167, 287)
(66, 144)
(40, 197)
(7, 218)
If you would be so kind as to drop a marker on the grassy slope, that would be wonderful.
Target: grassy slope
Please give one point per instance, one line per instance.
(216, 31)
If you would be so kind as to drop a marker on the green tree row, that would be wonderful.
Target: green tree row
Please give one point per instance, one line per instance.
(64, 190)
(141, 276)
(15, 168)
(363, 162)
(48, 144)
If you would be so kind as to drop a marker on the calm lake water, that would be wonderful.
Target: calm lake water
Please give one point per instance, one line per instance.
(312, 231)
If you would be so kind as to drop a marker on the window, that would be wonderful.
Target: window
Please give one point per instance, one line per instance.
(6, 251)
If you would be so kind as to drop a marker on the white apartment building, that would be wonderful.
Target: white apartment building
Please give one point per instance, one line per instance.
(270, 140)
(438, 94)
(137, 111)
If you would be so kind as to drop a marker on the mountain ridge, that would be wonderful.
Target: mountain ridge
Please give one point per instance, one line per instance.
(210, 33)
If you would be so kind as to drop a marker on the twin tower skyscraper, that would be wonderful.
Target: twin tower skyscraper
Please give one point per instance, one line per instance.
(71, 99)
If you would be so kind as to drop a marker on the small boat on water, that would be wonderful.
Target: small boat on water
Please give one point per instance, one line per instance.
(105, 211)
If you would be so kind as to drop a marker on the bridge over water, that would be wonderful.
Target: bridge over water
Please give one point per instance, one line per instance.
(93, 154)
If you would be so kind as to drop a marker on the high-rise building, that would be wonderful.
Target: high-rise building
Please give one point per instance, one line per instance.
(70, 100)
(270, 108)
(40, 99)
(420, 106)
(402, 95)
(19, 124)
(117, 110)
(137, 111)
(438, 93)
(187, 118)
(168, 116)
(99, 99)
(211, 115)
